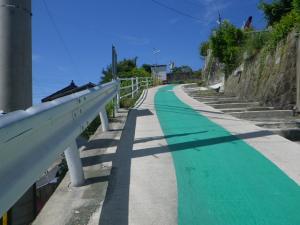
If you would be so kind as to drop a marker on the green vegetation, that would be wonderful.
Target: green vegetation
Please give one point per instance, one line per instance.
(253, 43)
(127, 103)
(184, 75)
(203, 49)
(182, 69)
(147, 67)
(275, 10)
(126, 68)
(230, 44)
(281, 29)
(91, 129)
(226, 43)
(296, 6)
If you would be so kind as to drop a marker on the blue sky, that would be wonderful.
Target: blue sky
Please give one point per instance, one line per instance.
(135, 27)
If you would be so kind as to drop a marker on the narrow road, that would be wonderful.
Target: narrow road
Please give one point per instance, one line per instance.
(178, 163)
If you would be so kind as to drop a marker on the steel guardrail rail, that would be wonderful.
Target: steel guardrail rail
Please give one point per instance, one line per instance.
(32, 139)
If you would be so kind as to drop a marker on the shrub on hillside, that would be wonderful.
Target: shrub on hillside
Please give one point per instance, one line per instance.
(281, 29)
(254, 42)
(225, 44)
(296, 6)
(203, 49)
(275, 10)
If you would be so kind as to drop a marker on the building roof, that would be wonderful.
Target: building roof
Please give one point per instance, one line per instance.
(70, 89)
(158, 65)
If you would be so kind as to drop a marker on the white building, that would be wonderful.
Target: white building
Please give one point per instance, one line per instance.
(159, 71)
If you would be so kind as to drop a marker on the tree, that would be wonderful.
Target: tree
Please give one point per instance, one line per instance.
(197, 73)
(296, 6)
(203, 49)
(226, 44)
(275, 10)
(147, 67)
(125, 68)
(182, 69)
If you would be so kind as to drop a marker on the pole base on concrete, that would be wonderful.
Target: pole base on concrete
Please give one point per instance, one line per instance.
(75, 166)
(104, 120)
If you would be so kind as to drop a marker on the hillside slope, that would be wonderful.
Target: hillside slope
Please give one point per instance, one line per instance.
(268, 77)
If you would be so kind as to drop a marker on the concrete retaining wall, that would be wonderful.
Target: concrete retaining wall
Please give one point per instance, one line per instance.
(268, 77)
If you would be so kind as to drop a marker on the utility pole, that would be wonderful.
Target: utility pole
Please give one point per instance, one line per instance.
(114, 63)
(15, 55)
(115, 77)
(16, 82)
(297, 107)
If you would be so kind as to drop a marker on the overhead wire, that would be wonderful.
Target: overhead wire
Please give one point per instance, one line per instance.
(60, 36)
(193, 3)
(176, 10)
(208, 4)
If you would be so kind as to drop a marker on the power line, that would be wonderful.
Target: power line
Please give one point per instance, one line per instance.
(176, 10)
(60, 36)
(194, 3)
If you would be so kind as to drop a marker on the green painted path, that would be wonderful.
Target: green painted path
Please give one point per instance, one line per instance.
(221, 179)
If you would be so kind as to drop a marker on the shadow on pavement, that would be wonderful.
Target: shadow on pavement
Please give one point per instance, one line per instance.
(104, 143)
(93, 160)
(115, 210)
(94, 180)
(115, 207)
(143, 140)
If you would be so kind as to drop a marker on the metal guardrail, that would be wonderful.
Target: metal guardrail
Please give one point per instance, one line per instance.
(31, 140)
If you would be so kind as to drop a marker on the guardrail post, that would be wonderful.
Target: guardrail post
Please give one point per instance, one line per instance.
(297, 107)
(104, 120)
(137, 84)
(74, 164)
(116, 100)
(147, 83)
(132, 87)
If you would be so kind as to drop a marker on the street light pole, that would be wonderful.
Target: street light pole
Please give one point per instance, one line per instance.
(16, 81)
(15, 55)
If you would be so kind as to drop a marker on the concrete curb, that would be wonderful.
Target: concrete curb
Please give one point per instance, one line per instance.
(141, 99)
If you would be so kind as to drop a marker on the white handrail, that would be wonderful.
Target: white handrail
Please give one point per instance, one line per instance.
(31, 140)
(136, 84)
(126, 95)
(125, 87)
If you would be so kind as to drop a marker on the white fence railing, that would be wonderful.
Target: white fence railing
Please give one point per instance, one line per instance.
(129, 87)
(31, 140)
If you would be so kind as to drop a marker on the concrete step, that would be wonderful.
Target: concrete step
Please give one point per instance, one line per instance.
(222, 101)
(293, 134)
(233, 110)
(234, 105)
(263, 114)
(279, 125)
(197, 95)
(246, 109)
(260, 108)
(216, 98)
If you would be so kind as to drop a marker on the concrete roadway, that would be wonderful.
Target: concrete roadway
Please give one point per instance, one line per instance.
(179, 161)
(216, 169)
